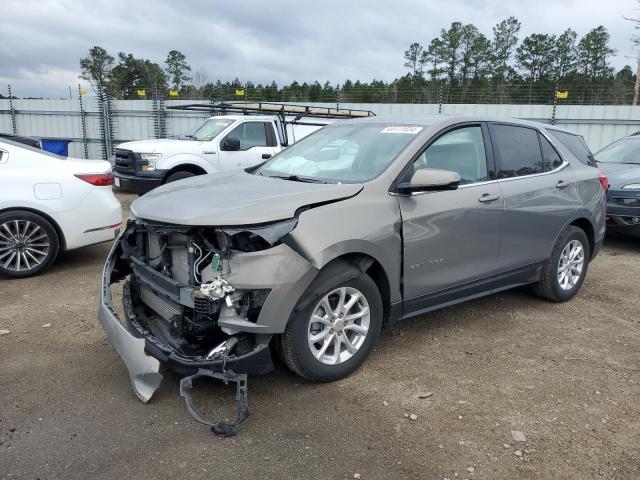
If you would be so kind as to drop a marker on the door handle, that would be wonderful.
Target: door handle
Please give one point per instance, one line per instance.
(486, 197)
(562, 184)
(266, 156)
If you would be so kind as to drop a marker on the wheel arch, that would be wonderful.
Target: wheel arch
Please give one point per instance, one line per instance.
(368, 264)
(587, 227)
(47, 217)
(185, 167)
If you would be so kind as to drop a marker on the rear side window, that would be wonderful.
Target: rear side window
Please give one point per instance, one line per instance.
(576, 145)
(517, 151)
(550, 158)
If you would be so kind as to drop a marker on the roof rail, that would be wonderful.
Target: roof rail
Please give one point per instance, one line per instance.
(256, 108)
(281, 110)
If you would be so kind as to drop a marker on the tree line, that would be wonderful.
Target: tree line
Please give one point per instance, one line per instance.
(461, 65)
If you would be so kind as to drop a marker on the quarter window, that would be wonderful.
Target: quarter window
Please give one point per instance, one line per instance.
(250, 134)
(517, 151)
(576, 145)
(461, 151)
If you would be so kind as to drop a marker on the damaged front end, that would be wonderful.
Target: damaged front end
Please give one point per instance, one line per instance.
(200, 298)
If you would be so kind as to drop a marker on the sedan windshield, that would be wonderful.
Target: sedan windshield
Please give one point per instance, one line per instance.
(346, 153)
(626, 150)
(209, 130)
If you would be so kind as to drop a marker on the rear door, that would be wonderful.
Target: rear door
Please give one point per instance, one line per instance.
(539, 190)
(451, 237)
(257, 143)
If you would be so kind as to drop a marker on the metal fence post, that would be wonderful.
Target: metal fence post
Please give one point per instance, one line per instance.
(555, 105)
(440, 92)
(106, 124)
(13, 112)
(83, 124)
(159, 114)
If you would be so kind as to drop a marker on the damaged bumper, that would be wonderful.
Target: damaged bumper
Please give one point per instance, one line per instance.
(278, 271)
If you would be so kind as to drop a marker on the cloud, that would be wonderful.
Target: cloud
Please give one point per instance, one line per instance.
(264, 41)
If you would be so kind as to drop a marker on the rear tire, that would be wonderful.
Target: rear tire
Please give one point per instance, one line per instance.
(564, 272)
(28, 244)
(179, 175)
(351, 330)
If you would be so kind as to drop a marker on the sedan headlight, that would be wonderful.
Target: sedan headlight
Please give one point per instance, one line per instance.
(151, 159)
(632, 186)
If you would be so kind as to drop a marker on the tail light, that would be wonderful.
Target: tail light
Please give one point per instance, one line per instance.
(97, 179)
(603, 181)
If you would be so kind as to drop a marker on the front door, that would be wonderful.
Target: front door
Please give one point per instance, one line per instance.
(257, 142)
(451, 237)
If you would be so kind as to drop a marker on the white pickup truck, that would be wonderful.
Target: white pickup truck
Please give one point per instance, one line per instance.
(242, 139)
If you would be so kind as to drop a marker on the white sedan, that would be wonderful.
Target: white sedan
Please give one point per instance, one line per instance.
(50, 203)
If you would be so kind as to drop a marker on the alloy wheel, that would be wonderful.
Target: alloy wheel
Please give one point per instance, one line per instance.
(570, 265)
(338, 326)
(24, 245)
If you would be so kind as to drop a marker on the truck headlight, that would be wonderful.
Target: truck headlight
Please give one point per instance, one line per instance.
(151, 159)
(632, 186)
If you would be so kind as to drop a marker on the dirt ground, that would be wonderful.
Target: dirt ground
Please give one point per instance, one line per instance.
(566, 375)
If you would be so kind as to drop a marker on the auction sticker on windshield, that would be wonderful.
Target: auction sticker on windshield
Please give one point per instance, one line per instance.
(401, 129)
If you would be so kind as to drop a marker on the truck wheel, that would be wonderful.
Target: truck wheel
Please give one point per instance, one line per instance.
(28, 244)
(334, 326)
(564, 271)
(179, 175)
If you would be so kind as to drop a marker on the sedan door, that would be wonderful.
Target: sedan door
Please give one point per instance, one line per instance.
(257, 143)
(451, 237)
(540, 194)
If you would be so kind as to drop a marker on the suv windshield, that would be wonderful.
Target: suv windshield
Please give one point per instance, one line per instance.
(209, 130)
(626, 150)
(347, 153)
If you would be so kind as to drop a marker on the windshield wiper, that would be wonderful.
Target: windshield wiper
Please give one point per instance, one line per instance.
(296, 178)
(186, 135)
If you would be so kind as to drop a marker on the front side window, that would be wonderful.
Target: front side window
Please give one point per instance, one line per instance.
(209, 130)
(626, 150)
(342, 153)
(250, 134)
(460, 151)
(517, 151)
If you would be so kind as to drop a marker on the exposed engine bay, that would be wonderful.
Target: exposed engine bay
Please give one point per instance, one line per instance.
(178, 290)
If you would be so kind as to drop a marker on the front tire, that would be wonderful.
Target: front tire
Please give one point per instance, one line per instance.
(564, 272)
(28, 244)
(334, 327)
(179, 175)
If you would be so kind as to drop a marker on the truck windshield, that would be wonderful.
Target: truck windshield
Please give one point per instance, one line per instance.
(347, 153)
(209, 130)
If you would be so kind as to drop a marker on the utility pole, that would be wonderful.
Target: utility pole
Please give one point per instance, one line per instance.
(636, 87)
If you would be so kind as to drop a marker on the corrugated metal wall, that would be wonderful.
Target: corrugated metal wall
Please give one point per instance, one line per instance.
(135, 119)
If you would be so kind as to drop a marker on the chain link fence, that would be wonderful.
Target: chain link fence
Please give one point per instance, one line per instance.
(97, 120)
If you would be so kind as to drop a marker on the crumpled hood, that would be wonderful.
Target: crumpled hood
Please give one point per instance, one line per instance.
(234, 198)
(620, 174)
(165, 146)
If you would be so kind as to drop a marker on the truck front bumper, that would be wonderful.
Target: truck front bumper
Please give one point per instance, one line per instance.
(139, 183)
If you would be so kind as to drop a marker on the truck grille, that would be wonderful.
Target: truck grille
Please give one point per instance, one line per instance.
(125, 161)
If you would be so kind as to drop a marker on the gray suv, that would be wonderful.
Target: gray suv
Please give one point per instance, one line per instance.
(357, 226)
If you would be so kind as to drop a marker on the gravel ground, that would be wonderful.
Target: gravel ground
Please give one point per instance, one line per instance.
(565, 375)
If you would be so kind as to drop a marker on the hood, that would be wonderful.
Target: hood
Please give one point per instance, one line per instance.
(620, 174)
(166, 146)
(234, 198)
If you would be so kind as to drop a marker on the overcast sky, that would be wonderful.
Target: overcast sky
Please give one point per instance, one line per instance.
(41, 41)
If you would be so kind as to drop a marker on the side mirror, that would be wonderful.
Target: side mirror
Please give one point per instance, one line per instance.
(230, 144)
(429, 180)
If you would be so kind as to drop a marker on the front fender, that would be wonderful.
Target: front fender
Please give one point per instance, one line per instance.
(179, 159)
